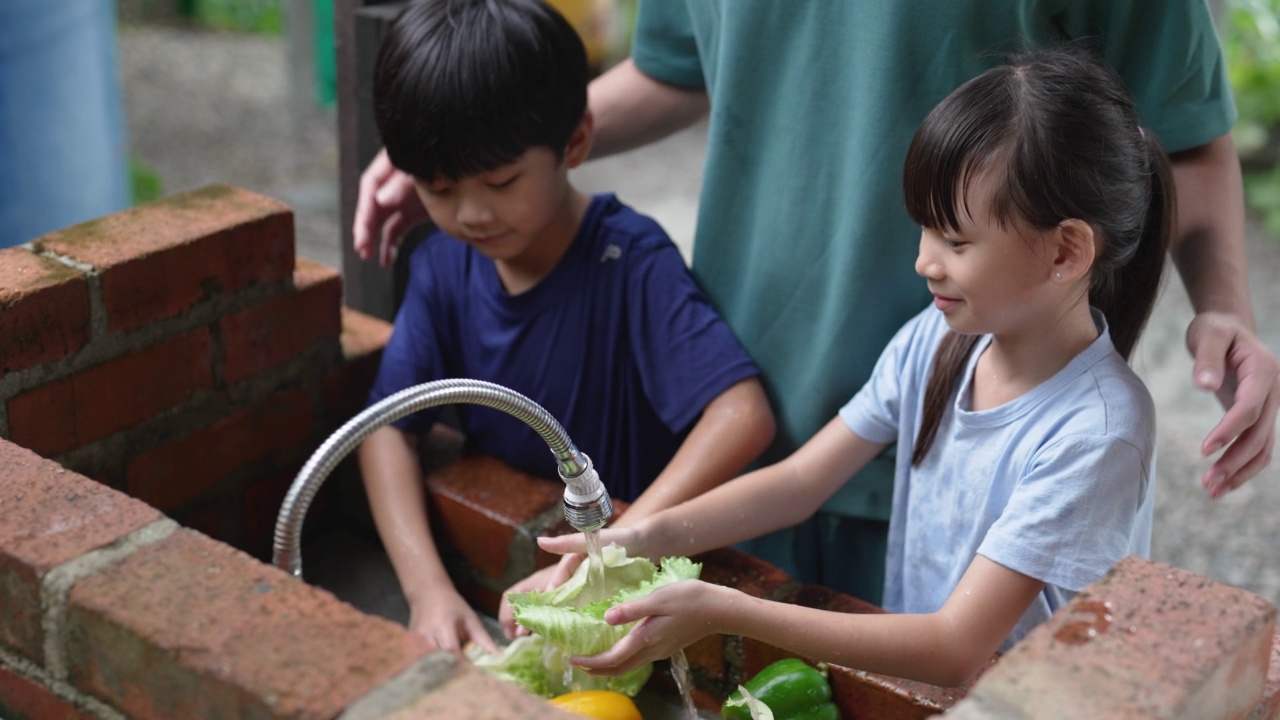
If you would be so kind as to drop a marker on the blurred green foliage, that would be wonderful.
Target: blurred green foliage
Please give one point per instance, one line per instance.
(144, 182)
(255, 16)
(1251, 43)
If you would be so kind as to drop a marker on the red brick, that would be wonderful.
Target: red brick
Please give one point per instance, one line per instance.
(262, 504)
(753, 576)
(157, 260)
(173, 474)
(279, 329)
(110, 397)
(44, 310)
(49, 516)
(23, 699)
(1146, 641)
(190, 628)
(479, 502)
(346, 386)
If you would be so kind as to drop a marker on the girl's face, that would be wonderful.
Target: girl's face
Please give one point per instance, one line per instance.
(986, 278)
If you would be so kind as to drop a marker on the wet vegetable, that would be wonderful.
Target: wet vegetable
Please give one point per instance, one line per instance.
(598, 704)
(791, 688)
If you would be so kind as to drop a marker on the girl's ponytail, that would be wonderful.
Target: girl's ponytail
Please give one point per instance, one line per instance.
(1127, 295)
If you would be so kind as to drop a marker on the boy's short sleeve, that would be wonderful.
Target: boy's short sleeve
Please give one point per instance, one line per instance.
(663, 46)
(414, 353)
(684, 351)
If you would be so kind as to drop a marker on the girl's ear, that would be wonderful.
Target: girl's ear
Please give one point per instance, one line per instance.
(1075, 251)
(580, 141)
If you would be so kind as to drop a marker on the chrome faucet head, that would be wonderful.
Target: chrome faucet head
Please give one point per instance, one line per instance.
(586, 503)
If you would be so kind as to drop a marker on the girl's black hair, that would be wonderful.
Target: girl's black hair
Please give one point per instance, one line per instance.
(1061, 133)
(462, 87)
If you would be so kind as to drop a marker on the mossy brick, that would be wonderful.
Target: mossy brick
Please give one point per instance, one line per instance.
(188, 627)
(1148, 640)
(44, 310)
(178, 472)
(158, 259)
(112, 396)
(282, 327)
(24, 699)
(480, 503)
(49, 516)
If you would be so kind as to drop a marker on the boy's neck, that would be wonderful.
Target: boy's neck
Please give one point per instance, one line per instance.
(519, 275)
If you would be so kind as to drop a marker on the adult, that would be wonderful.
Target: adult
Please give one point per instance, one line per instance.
(802, 239)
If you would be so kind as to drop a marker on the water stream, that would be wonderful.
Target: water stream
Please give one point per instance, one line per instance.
(684, 684)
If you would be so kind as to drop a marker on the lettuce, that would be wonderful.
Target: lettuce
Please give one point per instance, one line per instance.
(569, 621)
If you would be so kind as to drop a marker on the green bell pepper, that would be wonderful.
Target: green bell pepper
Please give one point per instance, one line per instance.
(792, 689)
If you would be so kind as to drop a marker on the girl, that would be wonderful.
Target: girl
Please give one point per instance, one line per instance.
(1025, 441)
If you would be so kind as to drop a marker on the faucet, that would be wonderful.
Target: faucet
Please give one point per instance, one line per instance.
(586, 504)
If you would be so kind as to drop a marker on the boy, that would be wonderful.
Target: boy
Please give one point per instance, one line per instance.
(577, 302)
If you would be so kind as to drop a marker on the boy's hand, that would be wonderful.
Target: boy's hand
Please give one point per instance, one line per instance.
(548, 578)
(447, 622)
(674, 617)
(1232, 362)
(387, 207)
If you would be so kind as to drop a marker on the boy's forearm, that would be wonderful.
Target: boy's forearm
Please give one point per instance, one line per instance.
(394, 484)
(632, 109)
(733, 430)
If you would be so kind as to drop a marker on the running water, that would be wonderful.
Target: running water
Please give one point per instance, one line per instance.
(595, 559)
(684, 684)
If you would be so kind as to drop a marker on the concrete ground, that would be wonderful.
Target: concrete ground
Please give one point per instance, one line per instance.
(209, 107)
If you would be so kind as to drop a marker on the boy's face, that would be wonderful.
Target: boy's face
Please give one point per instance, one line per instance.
(507, 213)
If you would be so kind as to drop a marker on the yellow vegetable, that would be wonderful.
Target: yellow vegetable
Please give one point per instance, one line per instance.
(598, 704)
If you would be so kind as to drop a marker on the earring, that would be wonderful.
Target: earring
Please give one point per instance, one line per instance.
(1058, 275)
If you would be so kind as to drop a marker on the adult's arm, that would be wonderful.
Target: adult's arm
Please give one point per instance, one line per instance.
(1208, 250)
(632, 109)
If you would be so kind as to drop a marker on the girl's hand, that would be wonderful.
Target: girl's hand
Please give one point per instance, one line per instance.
(630, 539)
(1231, 361)
(672, 618)
(548, 578)
(447, 622)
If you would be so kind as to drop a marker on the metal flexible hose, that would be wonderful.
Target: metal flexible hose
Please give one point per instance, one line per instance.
(586, 503)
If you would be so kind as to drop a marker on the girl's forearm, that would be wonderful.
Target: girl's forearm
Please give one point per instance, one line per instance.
(918, 647)
(733, 430)
(760, 502)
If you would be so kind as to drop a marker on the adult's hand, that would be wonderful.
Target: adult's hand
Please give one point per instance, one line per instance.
(387, 207)
(1232, 362)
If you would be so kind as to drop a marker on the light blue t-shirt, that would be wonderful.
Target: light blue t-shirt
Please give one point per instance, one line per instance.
(1055, 484)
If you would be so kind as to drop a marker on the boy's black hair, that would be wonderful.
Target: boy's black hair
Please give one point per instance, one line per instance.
(465, 86)
(1062, 133)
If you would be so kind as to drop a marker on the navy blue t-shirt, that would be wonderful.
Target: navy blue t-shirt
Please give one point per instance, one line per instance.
(617, 342)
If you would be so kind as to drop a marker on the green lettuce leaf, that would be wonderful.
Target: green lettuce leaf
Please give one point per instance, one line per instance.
(571, 617)
(569, 620)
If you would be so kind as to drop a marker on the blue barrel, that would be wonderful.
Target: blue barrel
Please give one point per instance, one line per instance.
(63, 154)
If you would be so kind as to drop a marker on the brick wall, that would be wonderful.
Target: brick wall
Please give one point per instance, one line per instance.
(180, 352)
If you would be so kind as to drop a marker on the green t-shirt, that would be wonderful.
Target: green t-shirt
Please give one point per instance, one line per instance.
(802, 240)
